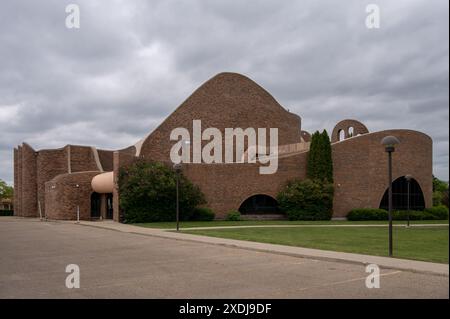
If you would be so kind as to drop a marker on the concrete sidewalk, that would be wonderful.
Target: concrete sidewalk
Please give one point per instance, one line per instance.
(383, 262)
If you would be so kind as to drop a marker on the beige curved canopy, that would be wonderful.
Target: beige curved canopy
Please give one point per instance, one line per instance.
(103, 183)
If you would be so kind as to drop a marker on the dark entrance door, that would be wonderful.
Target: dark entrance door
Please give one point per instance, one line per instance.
(109, 206)
(95, 205)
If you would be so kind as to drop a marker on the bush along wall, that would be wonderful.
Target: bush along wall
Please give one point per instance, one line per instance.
(434, 213)
(148, 194)
(307, 200)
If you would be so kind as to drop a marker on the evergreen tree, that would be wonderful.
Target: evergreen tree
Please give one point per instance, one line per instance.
(320, 162)
(327, 159)
(313, 156)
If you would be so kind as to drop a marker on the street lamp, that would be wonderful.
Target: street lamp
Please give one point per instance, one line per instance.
(177, 168)
(389, 143)
(408, 180)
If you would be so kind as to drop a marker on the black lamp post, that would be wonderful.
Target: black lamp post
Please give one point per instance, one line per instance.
(389, 143)
(408, 180)
(177, 168)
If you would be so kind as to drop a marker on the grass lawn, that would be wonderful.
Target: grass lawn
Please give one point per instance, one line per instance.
(420, 243)
(215, 223)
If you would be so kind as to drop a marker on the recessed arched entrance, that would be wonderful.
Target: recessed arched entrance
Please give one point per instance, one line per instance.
(96, 205)
(101, 205)
(400, 195)
(259, 204)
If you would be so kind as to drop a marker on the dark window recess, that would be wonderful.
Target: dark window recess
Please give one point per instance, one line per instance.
(400, 195)
(259, 204)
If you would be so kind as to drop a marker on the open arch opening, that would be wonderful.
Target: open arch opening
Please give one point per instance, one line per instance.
(400, 195)
(259, 204)
(341, 135)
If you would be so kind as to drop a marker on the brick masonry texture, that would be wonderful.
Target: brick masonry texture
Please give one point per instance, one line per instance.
(345, 125)
(228, 100)
(62, 196)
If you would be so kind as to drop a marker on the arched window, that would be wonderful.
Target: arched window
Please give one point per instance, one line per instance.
(259, 204)
(341, 135)
(400, 195)
(351, 131)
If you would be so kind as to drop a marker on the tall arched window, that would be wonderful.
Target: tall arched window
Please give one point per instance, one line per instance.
(400, 195)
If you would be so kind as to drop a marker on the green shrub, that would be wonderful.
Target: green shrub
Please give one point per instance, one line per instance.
(202, 214)
(434, 213)
(5, 212)
(148, 193)
(367, 214)
(413, 215)
(233, 215)
(439, 212)
(307, 200)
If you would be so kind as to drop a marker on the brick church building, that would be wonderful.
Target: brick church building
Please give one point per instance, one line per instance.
(55, 183)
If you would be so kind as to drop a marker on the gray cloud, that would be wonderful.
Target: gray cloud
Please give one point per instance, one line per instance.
(133, 62)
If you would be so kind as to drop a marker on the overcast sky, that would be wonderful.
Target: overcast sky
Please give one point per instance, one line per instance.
(133, 62)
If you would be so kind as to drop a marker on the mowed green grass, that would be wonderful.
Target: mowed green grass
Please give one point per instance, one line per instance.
(220, 223)
(419, 243)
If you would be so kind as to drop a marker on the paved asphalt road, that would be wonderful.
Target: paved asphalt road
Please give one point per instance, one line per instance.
(112, 264)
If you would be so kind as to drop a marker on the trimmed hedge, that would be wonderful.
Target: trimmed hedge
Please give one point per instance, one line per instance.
(367, 214)
(434, 213)
(233, 215)
(6, 212)
(202, 214)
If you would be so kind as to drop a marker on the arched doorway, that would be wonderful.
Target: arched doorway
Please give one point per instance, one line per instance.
(259, 204)
(96, 205)
(400, 195)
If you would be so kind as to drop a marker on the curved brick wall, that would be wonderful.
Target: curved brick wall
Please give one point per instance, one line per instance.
(62, 196)
(82, 159)
(29, 186)
(50, 163)
(18, 190)
(16, 182)
(227, 100)
(360, 168)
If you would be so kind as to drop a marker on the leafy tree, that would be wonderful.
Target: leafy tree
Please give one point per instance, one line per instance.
(148, 193)
(440, 192)
(5, 190)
